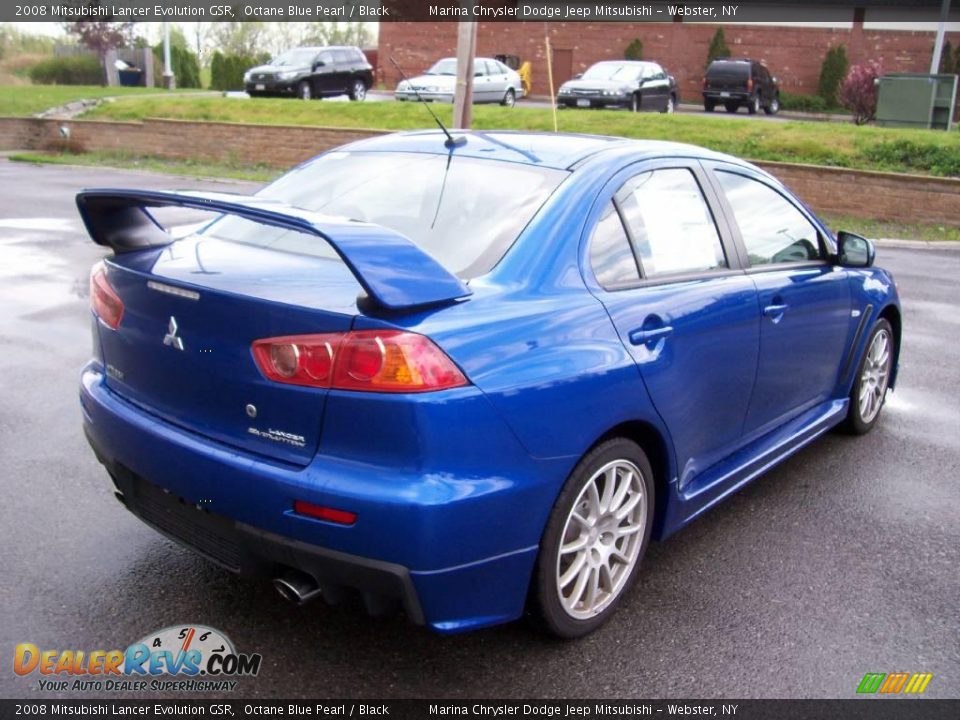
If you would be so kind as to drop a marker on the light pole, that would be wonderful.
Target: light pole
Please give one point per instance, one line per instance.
(169, 82)
(463, 92)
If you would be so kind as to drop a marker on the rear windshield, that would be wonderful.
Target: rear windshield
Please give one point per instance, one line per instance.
(728, 70)
(466, 212)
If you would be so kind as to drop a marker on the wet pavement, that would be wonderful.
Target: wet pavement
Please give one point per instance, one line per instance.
(841, 561)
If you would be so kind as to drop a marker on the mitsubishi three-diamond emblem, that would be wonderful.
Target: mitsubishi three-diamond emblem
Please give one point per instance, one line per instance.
(171, 337)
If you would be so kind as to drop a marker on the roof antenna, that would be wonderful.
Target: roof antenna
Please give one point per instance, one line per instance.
(451, 141)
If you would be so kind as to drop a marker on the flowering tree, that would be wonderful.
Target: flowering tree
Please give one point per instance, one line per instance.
(859, 91)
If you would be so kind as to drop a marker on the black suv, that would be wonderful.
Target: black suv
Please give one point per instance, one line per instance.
(312, 72)
(733, 83)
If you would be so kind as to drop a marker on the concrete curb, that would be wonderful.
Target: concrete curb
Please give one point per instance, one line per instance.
(917, 244)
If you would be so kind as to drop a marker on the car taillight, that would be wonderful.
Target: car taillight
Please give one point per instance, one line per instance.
(391, 361)
(104, 299)
(750, 84)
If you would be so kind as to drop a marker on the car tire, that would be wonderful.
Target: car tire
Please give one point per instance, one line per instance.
(773, 107)
(732, 107)
(304, 91)
(358, 91)
(709, 105)
(754, 105)
(587, 512)
(671, 106)
(869, 391)
(635, 102)
(509, 98)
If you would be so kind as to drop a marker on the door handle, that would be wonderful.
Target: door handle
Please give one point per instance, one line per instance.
(643, 337)
(773, 310)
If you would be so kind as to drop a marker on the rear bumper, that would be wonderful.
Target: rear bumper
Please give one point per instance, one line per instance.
(723, 96)
(456, 551)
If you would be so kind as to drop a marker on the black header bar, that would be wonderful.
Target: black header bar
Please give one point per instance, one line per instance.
(709, 11)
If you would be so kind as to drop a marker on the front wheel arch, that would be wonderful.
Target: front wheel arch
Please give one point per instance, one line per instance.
(891, 313)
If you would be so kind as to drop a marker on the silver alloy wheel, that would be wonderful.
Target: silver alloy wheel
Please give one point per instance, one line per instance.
(303, 90)
(635, 103)
(359, 91)
(775, 106)
(671, 105)
(601, 539)
(875, 376)
(510, 98)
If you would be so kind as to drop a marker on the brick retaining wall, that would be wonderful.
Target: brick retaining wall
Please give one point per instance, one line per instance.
(883, 196)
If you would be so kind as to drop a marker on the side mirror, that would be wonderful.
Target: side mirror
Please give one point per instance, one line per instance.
(578, 76)
(318, 64)
(775, 80)
(854, 251)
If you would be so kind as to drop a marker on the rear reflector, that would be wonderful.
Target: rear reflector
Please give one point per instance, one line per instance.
(341, 517)
(103, 299)
(390, 361)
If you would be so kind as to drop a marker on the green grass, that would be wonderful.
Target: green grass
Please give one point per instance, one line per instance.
(891, 229)
(835, 144)
(18, 100)
(189, 168)
(129, 161)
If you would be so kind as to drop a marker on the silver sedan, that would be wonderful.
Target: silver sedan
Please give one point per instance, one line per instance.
(493, 82)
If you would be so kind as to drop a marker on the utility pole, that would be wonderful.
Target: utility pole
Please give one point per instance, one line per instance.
(168, 80)
(938, 44)
(463, 93)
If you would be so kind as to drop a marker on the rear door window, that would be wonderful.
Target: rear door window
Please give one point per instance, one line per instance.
(671, 224)
(611, 258)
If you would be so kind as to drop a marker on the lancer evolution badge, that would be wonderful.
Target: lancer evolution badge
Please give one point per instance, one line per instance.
(171, 338)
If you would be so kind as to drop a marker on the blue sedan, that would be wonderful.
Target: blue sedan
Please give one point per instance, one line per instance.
(472, 379)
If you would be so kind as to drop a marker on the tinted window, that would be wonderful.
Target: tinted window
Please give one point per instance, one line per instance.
(341, 57)
(466, 213)
(772, 228)
(611, 258)
(326, 58)
(672, 228)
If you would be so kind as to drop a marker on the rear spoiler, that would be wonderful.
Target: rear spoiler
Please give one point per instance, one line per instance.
(393, 271)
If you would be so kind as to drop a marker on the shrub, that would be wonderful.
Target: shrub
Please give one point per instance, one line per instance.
(832, 73)
(859, 91)
(186, 68)
(226, 71)
(949, 63)
(718, 47)
(634, 50)
(803, 103)
(933, 159)
(74, 70)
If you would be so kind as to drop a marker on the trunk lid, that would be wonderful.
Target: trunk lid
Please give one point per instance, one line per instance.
(192, 310)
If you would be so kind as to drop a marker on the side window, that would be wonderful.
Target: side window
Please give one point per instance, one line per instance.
(670, 222)
(772, 228)
(341, 57)
(479, 68)
(326, 58)
(610, 255)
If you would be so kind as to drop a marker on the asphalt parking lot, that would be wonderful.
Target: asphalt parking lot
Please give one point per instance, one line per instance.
(842, 561)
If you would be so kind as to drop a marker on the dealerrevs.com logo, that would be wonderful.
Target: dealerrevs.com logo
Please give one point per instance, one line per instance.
(184, 658)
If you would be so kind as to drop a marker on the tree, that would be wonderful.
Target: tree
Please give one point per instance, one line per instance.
(832, 72)
(634, 50)
(859, 91)
(184, 63)
(339, 33)
(718, 47)
(239, 38)
(949, 64)
(101, 37)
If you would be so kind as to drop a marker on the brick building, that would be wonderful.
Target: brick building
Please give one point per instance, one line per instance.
(794, 53)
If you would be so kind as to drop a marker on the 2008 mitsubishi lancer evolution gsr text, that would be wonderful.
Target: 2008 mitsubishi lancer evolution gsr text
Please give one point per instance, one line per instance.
(472, 378)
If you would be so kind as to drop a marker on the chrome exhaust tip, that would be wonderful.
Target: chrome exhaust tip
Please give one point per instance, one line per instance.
(297, 588)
